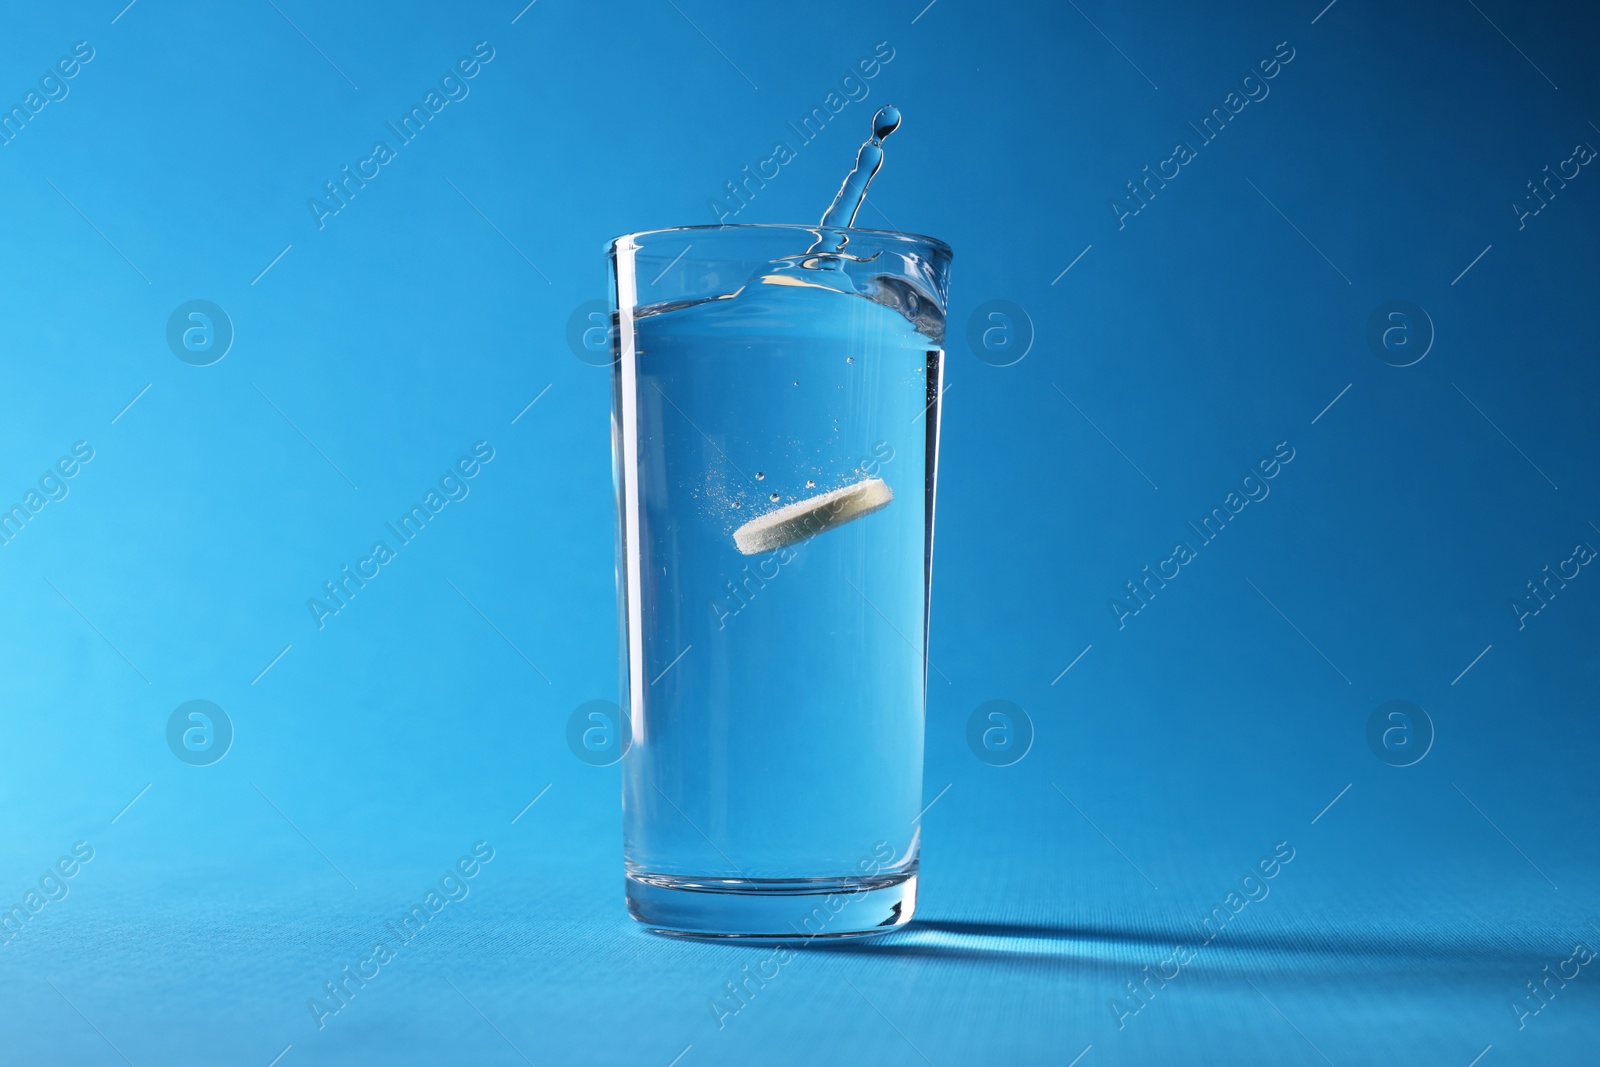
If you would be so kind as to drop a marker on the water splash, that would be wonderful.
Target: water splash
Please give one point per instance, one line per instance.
(826, 264)
(841, 214)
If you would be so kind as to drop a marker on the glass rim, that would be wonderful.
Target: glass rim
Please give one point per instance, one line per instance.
(897, 235)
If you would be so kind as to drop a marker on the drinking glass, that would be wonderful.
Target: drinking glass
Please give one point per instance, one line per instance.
(775, 432)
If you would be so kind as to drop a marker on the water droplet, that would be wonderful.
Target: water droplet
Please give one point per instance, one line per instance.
(842, 212)
(735, 503)
(773, 498)
(760, 475)
(886, 121)
(810, 484)
(849, 359)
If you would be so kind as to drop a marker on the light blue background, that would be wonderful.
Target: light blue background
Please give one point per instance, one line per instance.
(1220, 321)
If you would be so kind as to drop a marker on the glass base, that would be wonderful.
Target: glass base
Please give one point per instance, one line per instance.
(772, 909)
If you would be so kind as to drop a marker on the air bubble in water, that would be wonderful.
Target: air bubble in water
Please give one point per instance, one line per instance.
(810, 484)
(849, 359)
(773, 498)
(760, 475)
(735, 504)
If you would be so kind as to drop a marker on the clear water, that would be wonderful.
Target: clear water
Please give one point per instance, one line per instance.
(783, 692)
(847, 202)
(786, 742)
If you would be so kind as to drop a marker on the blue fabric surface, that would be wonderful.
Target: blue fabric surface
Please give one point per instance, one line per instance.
(1374, 944)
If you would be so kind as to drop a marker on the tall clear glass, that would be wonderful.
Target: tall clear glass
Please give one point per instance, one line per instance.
(775, 433)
